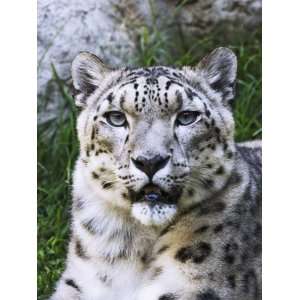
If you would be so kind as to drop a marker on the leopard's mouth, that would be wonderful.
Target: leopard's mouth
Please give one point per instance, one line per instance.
(154, 195)
(154, 206)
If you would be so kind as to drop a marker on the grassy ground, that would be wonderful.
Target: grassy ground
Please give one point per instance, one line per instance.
(58, 146)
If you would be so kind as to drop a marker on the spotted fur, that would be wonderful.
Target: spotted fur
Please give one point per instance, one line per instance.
(202, 241)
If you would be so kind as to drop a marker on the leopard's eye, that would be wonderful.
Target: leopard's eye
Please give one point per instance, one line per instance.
(115, 118)
(187, 117)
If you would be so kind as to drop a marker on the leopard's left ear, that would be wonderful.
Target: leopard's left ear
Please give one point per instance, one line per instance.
(220, 68)
(88, 71)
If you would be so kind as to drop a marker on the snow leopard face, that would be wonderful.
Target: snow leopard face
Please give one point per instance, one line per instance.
(155, 140)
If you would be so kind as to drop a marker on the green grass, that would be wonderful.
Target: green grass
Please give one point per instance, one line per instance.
(58, 146)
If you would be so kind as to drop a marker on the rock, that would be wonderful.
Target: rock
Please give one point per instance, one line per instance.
(66, 27)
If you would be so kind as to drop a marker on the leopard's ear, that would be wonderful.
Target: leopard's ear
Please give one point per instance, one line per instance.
(88, 72)
(220, 68)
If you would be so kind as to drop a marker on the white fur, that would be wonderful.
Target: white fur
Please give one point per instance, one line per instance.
(154, 216)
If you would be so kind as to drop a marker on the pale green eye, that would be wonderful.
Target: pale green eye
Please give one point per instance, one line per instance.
(187, 117)
(115, 118)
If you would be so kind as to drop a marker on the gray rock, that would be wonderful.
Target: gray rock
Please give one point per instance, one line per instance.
(66, 27)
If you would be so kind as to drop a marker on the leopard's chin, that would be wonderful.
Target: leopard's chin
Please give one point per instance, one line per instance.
(157, 214)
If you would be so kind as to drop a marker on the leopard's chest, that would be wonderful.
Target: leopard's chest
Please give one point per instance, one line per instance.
(110, 282)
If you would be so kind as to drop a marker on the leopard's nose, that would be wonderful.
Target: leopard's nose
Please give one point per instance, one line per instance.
(152, 165)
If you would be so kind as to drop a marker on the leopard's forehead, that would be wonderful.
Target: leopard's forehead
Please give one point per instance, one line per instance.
(154, 90)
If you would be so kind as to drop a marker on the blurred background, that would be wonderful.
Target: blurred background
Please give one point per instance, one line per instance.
(135, 33)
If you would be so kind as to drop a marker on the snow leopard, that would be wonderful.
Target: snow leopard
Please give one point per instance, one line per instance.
(165, 204)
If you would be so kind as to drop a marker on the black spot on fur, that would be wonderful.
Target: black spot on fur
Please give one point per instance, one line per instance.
(206, 207)
(168, 84)
(212, 146)
(88, 225)
(144, 258)
(234, 178)
(93, 133)
(208, 295)
(197, 253)
(71, 282)
(190, 94)
(203, 250)
(176, 138)
(95, 175)
(110, 97)
(183, 254)
(202, 229)
(207, 183)
(179, 100)
(122, 101)
(230, 249)
(210, 208)
(128, 82)
(126, 140)
(229, 155)
(164, 231)
(163, 249)
(220, 171)
(207, 113)
(168, 296)
(87, 151)
(207, 124)
(191, 192)
(80, 252)
(218, 228)
(107, 185)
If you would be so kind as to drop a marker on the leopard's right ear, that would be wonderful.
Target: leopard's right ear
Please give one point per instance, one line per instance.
(88, 72)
